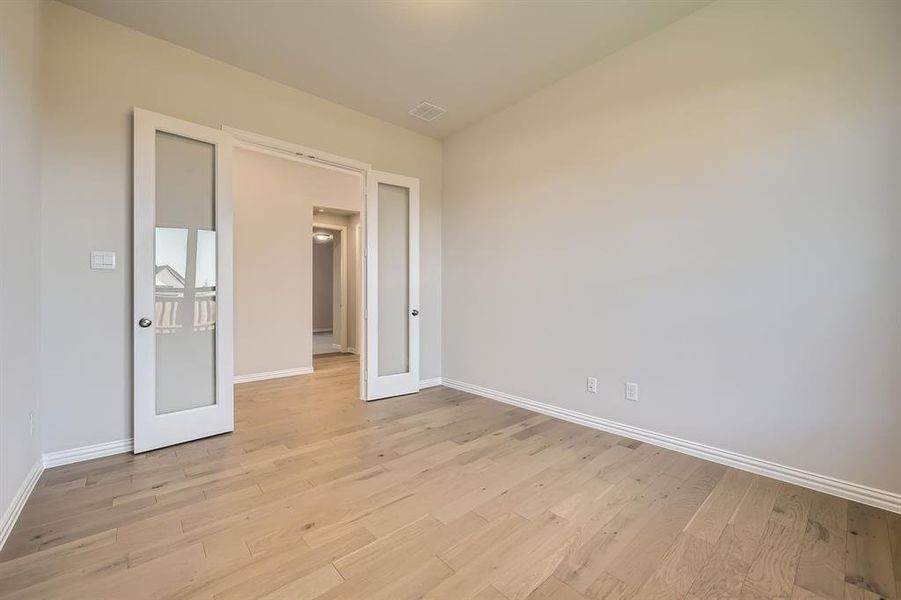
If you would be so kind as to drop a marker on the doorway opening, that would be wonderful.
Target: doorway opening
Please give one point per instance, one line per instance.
(336, 281)
(259, 196)
(280, 199)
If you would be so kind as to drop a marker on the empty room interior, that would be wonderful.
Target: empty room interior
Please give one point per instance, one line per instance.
(450, 299)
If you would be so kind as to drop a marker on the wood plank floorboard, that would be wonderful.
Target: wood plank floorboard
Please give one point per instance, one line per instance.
(439, 495)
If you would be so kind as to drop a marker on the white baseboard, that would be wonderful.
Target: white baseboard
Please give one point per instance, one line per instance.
(50, 460)
(821, 483)
(427, 383)
(74, 455)
(351, 349)
(322, 330)
(273, 374)
(18, 502)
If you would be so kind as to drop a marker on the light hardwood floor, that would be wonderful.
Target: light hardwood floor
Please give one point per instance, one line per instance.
(438, 495)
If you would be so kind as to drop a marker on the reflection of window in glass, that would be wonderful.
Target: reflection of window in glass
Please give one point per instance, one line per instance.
(205, 281)
(171, 258)
(176, 250)
(205, 277)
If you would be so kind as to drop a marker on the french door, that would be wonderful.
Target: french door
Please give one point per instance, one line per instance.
(392, 285)
(183, 388)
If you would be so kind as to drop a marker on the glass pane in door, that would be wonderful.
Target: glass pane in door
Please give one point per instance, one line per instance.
(393, 284)
(185, 274)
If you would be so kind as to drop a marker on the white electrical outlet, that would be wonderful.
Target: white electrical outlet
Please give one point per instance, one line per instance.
(631, 391)
(592, 385)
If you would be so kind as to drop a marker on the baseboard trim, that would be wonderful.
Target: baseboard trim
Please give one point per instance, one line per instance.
(272, 375)
(11, 515)
(74, 455)
(844, 489)
(427, 383)
(47, 461)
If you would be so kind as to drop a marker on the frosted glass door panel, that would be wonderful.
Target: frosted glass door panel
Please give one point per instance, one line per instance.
(185, 274)
(394, 284)
(182, 353)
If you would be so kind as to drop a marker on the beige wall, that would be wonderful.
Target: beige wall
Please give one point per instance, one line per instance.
(20, 235)
(96, 71)
(323, 280)
(713, 213)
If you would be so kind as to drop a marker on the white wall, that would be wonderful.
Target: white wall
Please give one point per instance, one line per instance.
(713, 213)
(20, 210)
(96, 71)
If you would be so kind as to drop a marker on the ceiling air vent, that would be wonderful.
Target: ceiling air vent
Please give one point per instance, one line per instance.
(427, 111)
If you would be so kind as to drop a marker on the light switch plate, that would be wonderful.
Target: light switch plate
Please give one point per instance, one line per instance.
(632, 391)
(103, 260)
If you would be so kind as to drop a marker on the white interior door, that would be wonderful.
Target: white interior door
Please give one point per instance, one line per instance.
(392, 285)
(183, 388)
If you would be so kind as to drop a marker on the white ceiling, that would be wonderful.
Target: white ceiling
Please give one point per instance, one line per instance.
(383, 57)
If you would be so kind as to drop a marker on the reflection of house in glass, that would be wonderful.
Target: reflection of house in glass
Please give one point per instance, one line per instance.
(172, 248)
(205, 309)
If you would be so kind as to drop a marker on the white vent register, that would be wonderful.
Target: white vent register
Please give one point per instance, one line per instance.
(427, 111)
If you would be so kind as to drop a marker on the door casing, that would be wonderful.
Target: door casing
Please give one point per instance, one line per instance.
(284, 149)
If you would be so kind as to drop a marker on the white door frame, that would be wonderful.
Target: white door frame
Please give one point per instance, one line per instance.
(342, 315)
(359, 276)
(284, 149)
(152, 430)
(369, 179)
